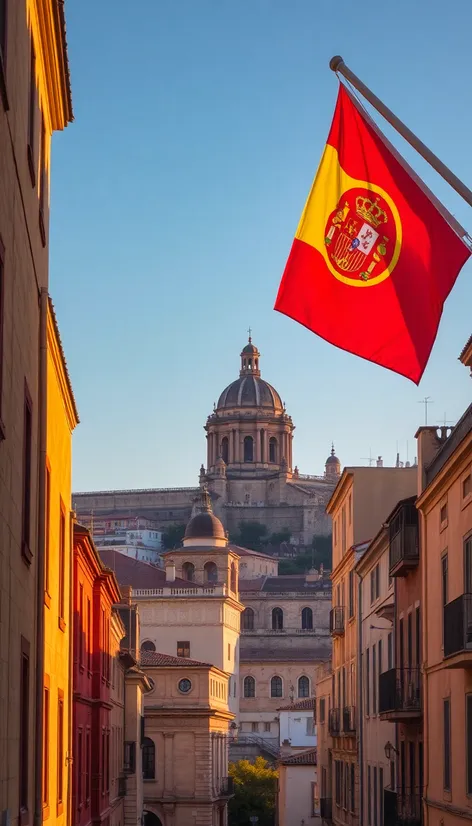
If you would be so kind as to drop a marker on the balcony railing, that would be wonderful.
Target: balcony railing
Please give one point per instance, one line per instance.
(458, 626)
(400, 693)
(336, 621)
(326, 808)
(334, 722)
(349, 719)
(122, 786)
(403, 540)
(227, 787)
(402, 809)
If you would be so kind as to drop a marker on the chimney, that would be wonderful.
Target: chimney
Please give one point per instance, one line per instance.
(170, 571)
(286, 749)
(429, 439)
(380, 461)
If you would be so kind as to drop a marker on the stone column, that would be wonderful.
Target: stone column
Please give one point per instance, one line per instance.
(168, 763)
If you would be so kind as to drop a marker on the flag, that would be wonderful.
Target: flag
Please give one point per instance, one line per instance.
(375, 255)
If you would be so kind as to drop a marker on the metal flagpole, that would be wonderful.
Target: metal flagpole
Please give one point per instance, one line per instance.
(337, 64)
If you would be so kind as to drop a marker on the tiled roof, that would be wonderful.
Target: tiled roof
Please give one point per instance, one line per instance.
(306, 758)
(465, 348)
(251, 584)
(248, 552)
(283, 655)
(154, 659)
(302, 705)
(293, 583)
(63, 357)
(136, 573)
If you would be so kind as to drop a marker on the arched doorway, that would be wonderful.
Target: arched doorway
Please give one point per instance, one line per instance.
(151, 819)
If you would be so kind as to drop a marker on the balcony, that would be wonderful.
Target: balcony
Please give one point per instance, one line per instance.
(326, 808)
(402, 809)
(403, 539)
(227, 787)
(400, 697)
(336, 621)
(122, 786)
(349, 720)
(458, 632)
(334, 722)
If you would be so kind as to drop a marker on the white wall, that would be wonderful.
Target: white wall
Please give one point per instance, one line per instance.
(296, 795)
(293, 727)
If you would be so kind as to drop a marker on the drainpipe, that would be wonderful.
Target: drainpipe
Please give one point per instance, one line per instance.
(42, 439)
(70, 744)
(360, 699)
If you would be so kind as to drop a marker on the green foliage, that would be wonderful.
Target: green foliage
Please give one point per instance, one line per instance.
(173, 536)
(255, 792)
(251, 535)
(280, 536)
(321, 554)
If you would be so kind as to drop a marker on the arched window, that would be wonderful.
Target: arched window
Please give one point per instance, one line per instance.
(263, 458)
(273, 449)
(225, 449)
(248, 619)
(303, 687)
(248, 449)
(249, 687)
(188, 570)
(211, 572)
(149, 759)
(276, 687)
(307, 619)
(234, 583)
(147, 645)
(277, 619)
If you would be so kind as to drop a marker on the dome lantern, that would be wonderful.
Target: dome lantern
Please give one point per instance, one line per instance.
(250, 356)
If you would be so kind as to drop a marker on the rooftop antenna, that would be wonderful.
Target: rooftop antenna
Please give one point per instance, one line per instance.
(446, 421)
(370, 459)
(427, 400)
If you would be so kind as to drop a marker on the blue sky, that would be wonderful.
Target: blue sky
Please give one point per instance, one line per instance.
(175, 195)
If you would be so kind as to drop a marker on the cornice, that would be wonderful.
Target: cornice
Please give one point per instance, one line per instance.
(451, 468)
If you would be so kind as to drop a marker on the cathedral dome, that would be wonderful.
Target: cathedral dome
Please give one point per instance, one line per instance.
(250, 390)
(205, 526)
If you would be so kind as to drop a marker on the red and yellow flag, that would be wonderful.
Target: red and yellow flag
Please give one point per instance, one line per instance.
(373, 258)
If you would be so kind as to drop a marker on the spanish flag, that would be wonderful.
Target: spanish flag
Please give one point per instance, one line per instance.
(375, 254)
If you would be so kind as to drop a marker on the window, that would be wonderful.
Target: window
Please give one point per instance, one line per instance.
(412, 765)
(47, 519)
(80, 643)
(210, 572)
(467, 486)
(447, 743)
(248, 619)
(248, 449)
(379, 665)
(443, 514)
(351, 593)
(273, 450)
(374, 681)
(188, 571)
(254, 727)
(129, 762)
(375, 583)
(276, 687)
(444, 586)
(390, 650)
(3, 33)
(249, 687)
(46, 710)
(303, 687)
(468, 565)
(353, 788)
(60, 751)
(369, 797)
(375, 796)
(183, 649)
(148, 645)
(468, 742)
(322, 709)
(402, 768)
(343, 529)
(337, 768)
(409, 640)
(307, 619)
(335, 528)
(79, 768)
(24, 729)
(88, 762)
(417, 637)
(225, 449)
(266, 726)
(233, 579)
(89, 635)
(310, 727)
(32, 116)
(149, 759)
(367, 681)
(62, 565)
(27, 475)
(277, 619)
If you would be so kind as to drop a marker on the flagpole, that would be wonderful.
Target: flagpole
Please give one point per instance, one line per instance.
(337, 64)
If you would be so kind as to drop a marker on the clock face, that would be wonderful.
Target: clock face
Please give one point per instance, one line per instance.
(185, 686)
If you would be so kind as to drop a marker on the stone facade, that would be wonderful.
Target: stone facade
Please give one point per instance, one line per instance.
(249, 472)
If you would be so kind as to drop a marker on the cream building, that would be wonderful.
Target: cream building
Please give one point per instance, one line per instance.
(250, 471)
(185, 754)
(298, 801)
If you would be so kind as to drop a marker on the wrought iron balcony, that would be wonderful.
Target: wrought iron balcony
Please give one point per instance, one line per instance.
(326, 808)
(403, 809)
(334, 722)
(400, 694)
(458, 632)
(227, 787)
(336, 621)
(349, 719)
(404, 550)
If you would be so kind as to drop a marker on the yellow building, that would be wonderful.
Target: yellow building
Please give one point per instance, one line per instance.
(61, 420)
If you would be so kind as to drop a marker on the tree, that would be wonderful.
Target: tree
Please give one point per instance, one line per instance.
(320, 554)
(255, 791)
(251, 535)
(278, 537)
(173, 536)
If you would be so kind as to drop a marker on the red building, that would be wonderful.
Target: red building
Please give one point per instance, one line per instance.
(95, 592)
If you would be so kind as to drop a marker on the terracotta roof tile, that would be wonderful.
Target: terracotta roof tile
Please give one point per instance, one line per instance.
(154, 659)
(308, 704)
(306, 758)
(136, 573)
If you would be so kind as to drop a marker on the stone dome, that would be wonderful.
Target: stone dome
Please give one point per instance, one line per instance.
(332, 458)
(205, 525)
(250, 390)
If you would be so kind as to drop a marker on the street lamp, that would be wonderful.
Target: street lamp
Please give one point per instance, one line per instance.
(389, 748)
